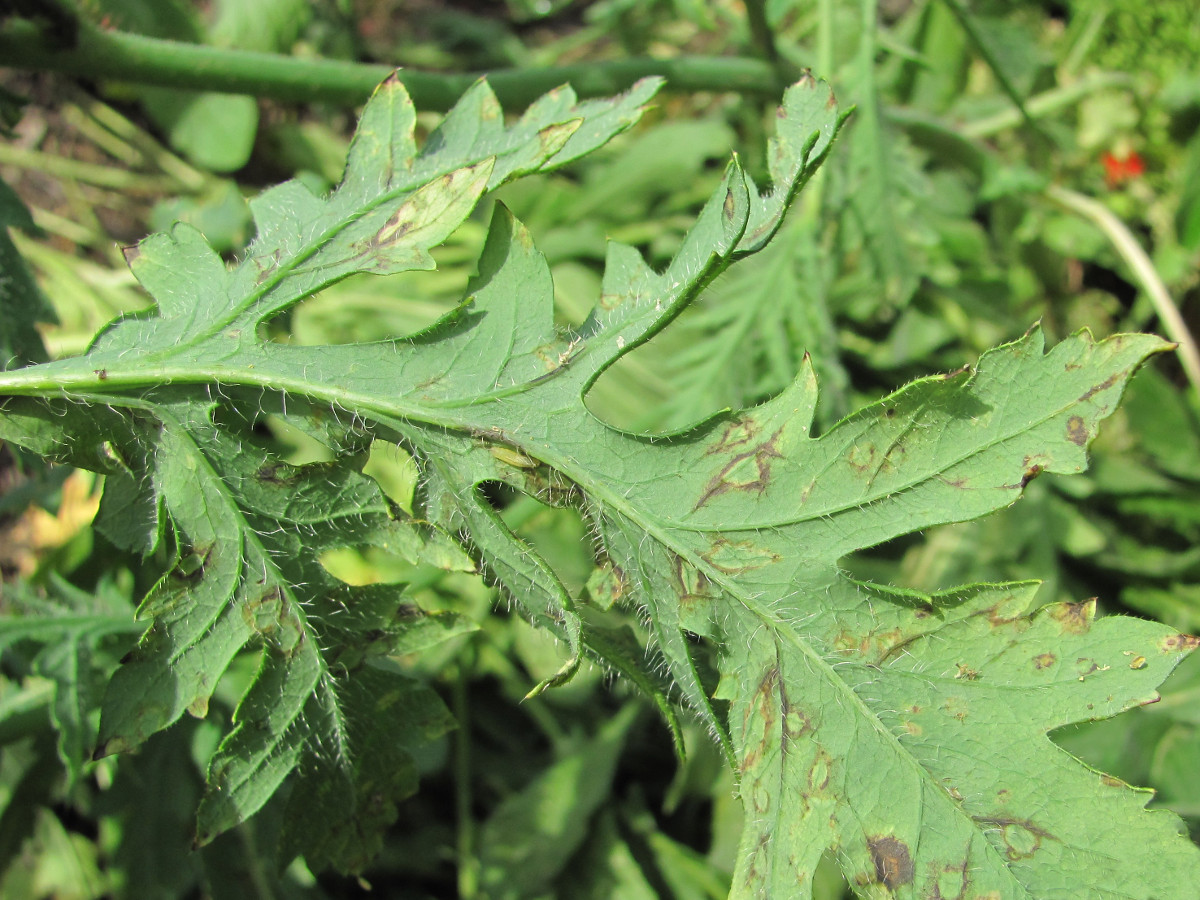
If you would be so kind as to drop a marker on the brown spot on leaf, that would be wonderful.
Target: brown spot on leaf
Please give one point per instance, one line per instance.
(820, 772)
(607, 585)
(191, 567)
(1077, 432)
(997, 619)
(846, 641)
(1086, 666)
(736, 557)
(1102, 386)
(761, 714)
(956, 707)
(1044, 660)
(796, 722)
(861, 459)
(893, 861)
(691, 584)
(736, 434)
(1074, 618)
(277, 473)
(262, 613)
(748, 471)
(1031, 473)
(1179, 643)
(729, 208)
(952, 882)
(1022, 839)
(1110, 781)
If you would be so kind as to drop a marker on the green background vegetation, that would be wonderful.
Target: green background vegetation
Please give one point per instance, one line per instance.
(1004, 165)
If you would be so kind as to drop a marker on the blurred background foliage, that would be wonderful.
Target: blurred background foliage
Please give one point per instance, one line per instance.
(942, 224)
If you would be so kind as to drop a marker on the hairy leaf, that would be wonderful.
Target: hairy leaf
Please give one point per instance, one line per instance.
(907, 733)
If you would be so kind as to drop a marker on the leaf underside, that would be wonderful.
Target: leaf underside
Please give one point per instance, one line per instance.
(905, 733)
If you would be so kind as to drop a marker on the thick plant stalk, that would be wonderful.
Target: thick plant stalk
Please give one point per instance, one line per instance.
(135, 58)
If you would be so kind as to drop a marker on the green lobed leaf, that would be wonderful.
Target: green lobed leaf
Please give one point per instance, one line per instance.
(245, 528)
(906, 733)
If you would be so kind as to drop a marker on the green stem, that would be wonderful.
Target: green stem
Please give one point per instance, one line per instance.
(138, 59)
(468, 862)
(1143, 270)
(1045, 103)
(761, 31)
(825, 39)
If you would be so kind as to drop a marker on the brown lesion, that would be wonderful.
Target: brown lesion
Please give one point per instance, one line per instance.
(966, 673)
(394, 229)
(266, 265)
(278, 473)
(1179, 643)
(820, 773)
(996, 617)
(877, 647)
(192, 566)
(1102, 386)
(736, 557)
(1034, 466)
(1077, 432)
(862, 461)
(759, 457)
(962, 871)
(892, 859)
(1021, 836)
(1044, 660)
(1031, 473)
(762, 712)
(730, 205)
(735, 434)
(1074, 618)
(691, 584)
(796, 722)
